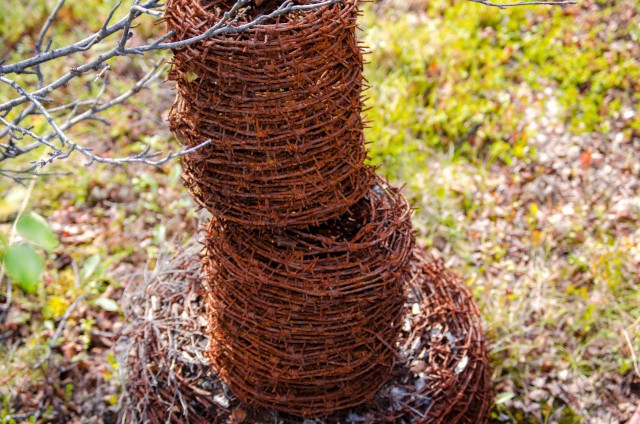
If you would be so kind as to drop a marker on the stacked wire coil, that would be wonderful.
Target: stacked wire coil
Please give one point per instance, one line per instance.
(281, 105)
(308, 255)
(305, 321)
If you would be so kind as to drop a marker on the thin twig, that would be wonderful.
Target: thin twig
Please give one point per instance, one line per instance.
(634, 358)
(43, 33)
(47, 25)
(524, 3)
(58, 333)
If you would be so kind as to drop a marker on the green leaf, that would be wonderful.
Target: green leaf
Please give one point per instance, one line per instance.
(90, 267)
(35, 229)
(24, 266)
(3, 246)
(106, 304)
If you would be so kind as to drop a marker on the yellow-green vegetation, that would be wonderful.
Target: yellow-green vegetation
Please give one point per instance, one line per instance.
(516, 132)
(461, 76)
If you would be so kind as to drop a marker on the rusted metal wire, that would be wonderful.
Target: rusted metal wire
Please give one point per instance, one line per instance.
(307, 264)
(445, 375)
(282, 105)
(304, 321)
(167, 372)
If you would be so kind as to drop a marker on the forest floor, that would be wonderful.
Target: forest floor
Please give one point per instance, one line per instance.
(517, 136)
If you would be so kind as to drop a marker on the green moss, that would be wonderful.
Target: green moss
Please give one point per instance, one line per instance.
(460, 76)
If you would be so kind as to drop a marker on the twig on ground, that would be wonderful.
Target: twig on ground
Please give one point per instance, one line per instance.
(634, 357)
(58, 333)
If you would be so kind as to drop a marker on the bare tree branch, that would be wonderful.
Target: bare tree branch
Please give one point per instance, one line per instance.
(58, 153)
(20, 139)
(225, 26)
(58, 143)
(525, 3)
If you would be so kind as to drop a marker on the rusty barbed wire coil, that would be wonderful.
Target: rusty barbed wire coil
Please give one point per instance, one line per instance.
(445, 372)
(304, 321)
(168, 377)
(281, 104)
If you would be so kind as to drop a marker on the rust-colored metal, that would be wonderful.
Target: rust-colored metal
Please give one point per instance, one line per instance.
(313, 300)
(445, 376)
(304, 321)
(281, 103)
(167, 372)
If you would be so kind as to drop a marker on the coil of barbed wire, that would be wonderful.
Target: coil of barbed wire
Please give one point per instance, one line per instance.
(305, 320)
(445, 376)
(281, 104)
(441, 375)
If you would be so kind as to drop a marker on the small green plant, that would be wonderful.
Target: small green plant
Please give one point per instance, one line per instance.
(23, 261)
